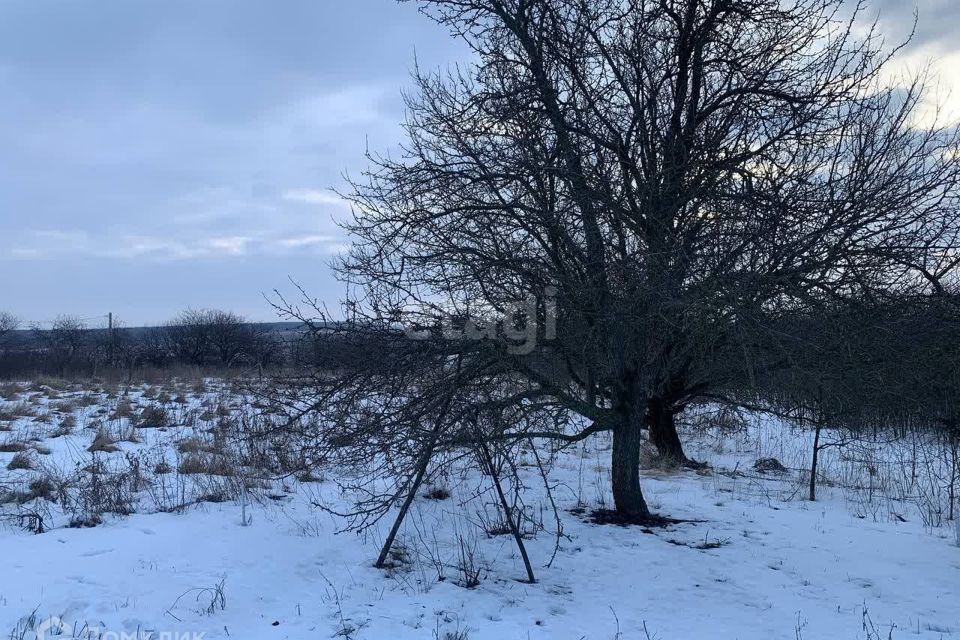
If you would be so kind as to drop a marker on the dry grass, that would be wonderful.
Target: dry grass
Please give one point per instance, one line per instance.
(153, 416)
(10, 391)
(124, 409)
(42, 488)
(65, 406)
(20, 460)
(88, 399)
(13, 446)
(103, 443)
(214, 465)
(39, 488)
(65, 427)
(129, 434)
(16, 410)
(192, 445)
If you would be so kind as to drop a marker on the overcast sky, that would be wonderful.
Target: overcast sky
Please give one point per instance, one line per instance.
(158, 155)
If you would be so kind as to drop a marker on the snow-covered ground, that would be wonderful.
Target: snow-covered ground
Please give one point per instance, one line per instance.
(210, 553)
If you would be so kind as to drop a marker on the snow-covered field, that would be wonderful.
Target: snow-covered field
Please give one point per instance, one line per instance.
(200, 548)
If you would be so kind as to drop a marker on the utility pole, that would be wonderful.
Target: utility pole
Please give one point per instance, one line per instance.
(110, 330)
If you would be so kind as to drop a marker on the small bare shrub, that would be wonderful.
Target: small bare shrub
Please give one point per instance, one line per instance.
(97, 491)
(211, 599)
(457, 633)
(468, 562)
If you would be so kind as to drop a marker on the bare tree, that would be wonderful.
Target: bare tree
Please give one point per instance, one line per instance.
(65, 342)
(210, 336)
(8, 323)
(657, 179)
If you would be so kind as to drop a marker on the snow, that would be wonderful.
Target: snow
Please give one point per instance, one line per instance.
(759, 562)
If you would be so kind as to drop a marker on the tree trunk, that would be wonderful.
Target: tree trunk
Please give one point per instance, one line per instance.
(663, 431)
(488, 461)
(814, 461)
(625, 466)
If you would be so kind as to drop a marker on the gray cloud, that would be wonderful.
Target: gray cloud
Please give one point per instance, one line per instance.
(937, 21)
(143, 136)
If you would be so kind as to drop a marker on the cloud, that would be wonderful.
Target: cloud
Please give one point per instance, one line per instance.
(71, 244)
(936, 21)
(927, 32)
(154, 143)
(233, 245)
(940, 105)
(306, 241)
(314, 196)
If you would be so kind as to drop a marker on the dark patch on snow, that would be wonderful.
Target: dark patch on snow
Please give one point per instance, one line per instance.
(611, 517)
(764, 465)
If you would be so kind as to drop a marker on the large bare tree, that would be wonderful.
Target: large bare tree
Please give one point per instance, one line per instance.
(662, 178)
(210, 336)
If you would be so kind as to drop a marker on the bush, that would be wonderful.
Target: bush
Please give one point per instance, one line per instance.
(98, 490)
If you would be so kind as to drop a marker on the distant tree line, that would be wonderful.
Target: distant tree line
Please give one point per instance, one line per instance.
(206, 338)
